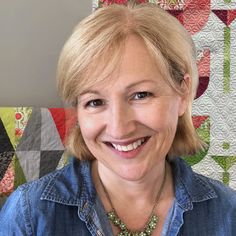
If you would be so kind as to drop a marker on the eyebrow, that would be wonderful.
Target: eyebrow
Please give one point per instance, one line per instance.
(89, 91)
(96, 92)
(140, 82)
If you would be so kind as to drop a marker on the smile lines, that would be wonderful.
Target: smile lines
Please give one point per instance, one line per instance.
(129, 147)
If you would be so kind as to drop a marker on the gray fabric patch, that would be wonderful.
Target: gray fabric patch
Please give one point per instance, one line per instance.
(50, 138)
(30, 163)
(49, 161)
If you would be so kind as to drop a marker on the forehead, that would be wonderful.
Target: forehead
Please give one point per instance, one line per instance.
(128, 64)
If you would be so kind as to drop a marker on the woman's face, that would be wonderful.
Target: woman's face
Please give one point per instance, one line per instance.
(128, 122)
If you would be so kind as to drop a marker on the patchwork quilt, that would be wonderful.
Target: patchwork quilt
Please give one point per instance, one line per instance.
(32, 139)
(31, 144)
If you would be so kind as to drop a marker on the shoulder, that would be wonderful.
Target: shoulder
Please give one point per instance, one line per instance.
(225, 194)
(204, 200)
(15, 215)
(36, 187)
(35, 198)
(200, 188)
(67, 180)
(31, 190)
(221, 209)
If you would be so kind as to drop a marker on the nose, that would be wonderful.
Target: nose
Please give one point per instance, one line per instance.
(121, 121)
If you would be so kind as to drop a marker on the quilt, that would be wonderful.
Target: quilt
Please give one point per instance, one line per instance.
(32, 144)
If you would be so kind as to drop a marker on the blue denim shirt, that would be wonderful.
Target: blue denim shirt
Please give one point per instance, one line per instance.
(65, 202)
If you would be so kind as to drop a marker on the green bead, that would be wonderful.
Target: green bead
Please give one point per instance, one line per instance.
(116, 222)
(152, 225)
(135, 234)
(122, 226)
(111, 215)
(126, 233)
(123, 233)
(142, 234)
(148, 231)
(154, 218)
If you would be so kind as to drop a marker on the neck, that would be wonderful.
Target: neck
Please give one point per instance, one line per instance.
(135, 203)
(144, 190)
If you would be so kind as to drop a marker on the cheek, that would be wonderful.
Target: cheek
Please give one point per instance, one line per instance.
(89, 126)
(160, 117)
(171, 119)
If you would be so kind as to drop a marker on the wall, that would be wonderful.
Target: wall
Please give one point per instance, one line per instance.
(32, 33)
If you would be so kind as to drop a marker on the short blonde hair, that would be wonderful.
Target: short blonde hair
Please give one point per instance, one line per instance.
(95, 48)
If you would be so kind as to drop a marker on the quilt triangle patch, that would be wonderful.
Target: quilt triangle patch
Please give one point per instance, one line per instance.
(30, 164)
(202, 86)
(177, 14)
(7, 182)
(5, 142)
(31, 138)
(49, 161)
(6, 150)
(22, 115)
(19, 174)
(5, 160)
(59, 117)
(198, 120)
(50, 138)
(226, 16)
(7, 116)
(226, 162)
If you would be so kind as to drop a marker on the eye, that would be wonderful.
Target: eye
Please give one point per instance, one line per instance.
(95, 103)
(141, 95)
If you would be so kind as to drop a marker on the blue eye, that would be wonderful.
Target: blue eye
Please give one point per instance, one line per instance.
(141, 95)
(95, 103)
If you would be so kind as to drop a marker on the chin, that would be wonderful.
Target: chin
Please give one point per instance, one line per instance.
(130, 173)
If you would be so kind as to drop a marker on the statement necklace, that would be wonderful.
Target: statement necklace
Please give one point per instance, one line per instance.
(150, 224)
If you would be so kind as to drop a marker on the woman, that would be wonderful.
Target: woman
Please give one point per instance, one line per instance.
(130, 73)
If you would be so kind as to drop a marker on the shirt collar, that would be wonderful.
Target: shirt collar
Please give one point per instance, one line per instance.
(74, 186)
(190, 187)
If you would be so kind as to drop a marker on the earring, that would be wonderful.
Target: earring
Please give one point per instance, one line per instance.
(77, 124)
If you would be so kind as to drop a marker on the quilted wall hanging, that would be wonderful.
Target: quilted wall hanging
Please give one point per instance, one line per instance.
(31, 144)
(32, 139)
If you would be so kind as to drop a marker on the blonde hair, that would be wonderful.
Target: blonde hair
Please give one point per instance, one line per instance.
(95, 48)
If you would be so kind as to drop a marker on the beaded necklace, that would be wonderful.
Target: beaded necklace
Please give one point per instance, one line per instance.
(150, 224)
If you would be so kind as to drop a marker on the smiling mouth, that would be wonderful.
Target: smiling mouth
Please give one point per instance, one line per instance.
(129, 147)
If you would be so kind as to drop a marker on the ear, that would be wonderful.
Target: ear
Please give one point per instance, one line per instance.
(185, 96)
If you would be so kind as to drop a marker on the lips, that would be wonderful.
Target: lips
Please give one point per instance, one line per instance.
(130, 146)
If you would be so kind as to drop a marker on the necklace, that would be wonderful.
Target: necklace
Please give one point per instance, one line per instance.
(148, 227)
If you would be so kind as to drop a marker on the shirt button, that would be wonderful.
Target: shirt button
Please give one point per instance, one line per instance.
(85, 206)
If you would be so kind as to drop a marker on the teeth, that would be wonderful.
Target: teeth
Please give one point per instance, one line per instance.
(129, 147)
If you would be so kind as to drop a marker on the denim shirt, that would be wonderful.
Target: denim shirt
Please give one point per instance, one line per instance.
(65, 202)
